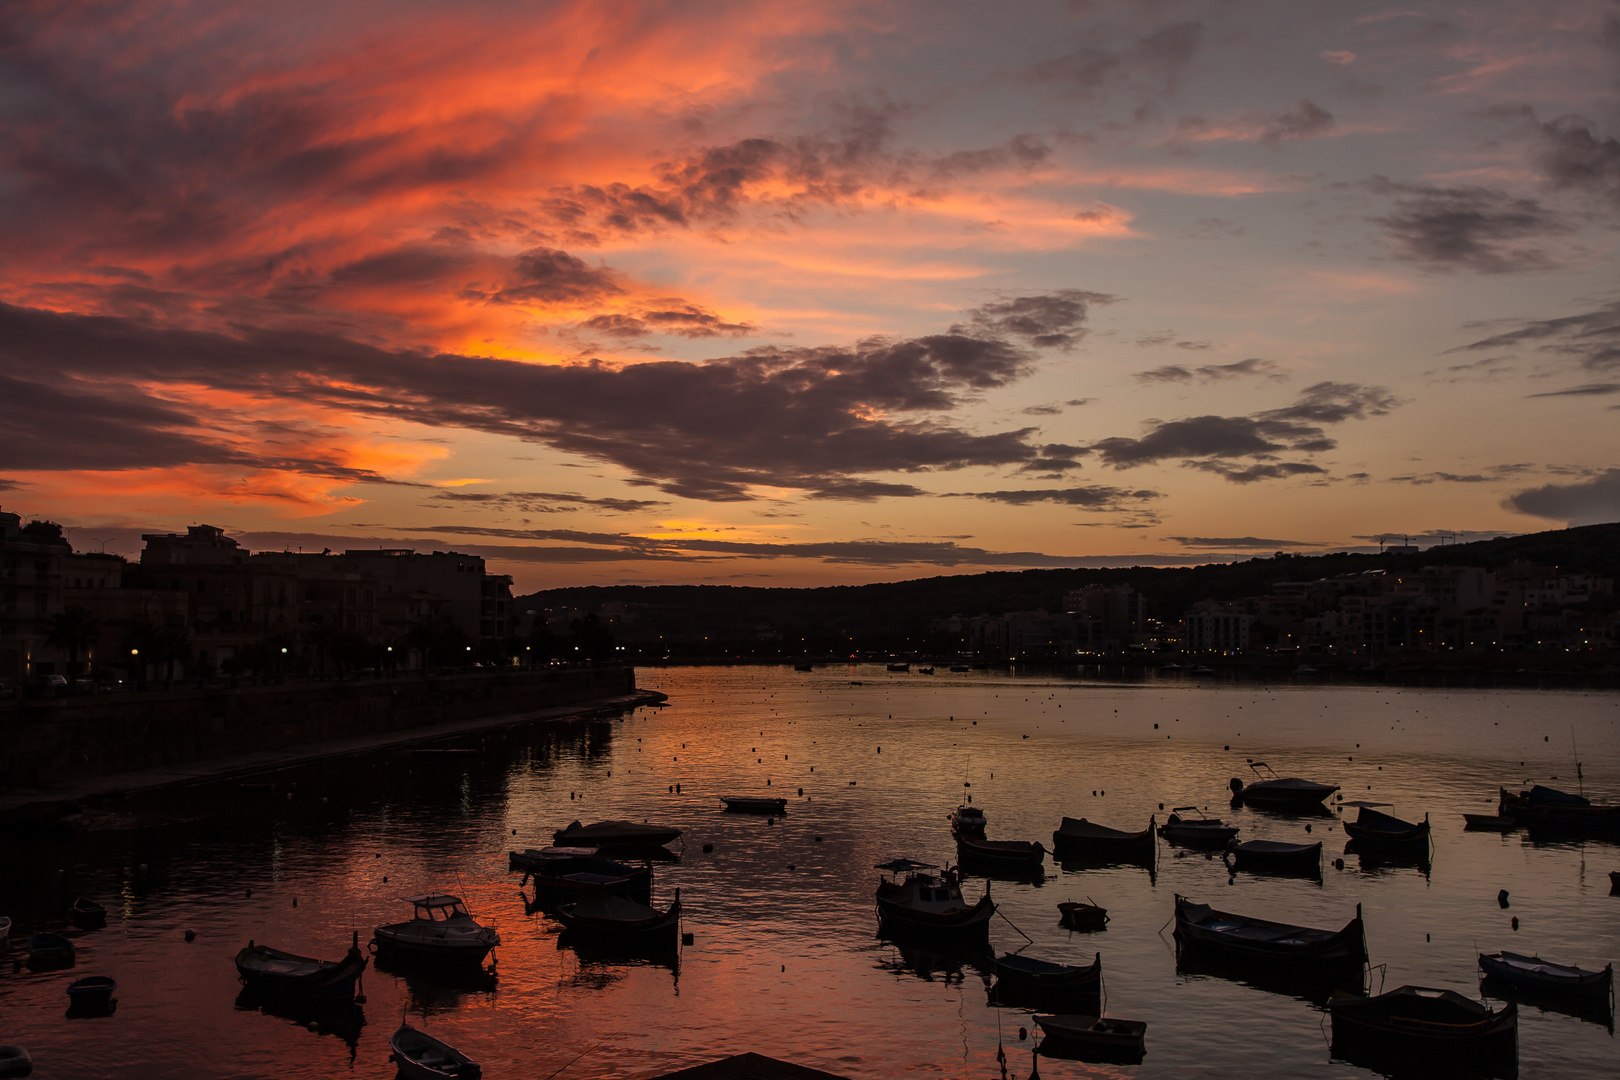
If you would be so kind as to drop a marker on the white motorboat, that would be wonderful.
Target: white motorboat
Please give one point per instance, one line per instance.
(441, 930)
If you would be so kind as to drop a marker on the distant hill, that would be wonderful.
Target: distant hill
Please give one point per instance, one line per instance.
(895, 615)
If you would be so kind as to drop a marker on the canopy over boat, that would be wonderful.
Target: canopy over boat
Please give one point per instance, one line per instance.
(616, 833)
(1279, 791)
(1087, 839)
(1371, 826)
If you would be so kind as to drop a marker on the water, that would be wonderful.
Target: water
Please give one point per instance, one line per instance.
(785, 959)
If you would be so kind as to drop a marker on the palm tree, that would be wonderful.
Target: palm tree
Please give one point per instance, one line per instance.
(73, 630)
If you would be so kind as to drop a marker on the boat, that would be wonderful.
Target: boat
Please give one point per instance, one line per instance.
(804, 667)
(1077, 838)
(14, 1061)
(1200, 669)
(1490, 822)
(574, 871)
(754, 804)
(1539, 974)
(1419, 1020)
(967, 818)
(1276, 857)
(1273, 792)
(1000, 854)
(87, 914)
(929, 905)
(1086, 918)
(605, 914)
(49, 949)
(961, 667)
(272, 971)
(92, 993)
(420, 1056)
(1551, 809)
(1614, 882)
(1372, 828)
(615, 834)
(1197, 832)
(925, 671)
(1274, 944)
(1028, 973)
(440, 930)
(1098, 1032)
(899, 667)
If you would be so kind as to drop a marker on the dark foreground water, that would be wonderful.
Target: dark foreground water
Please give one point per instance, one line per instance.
(785, 959)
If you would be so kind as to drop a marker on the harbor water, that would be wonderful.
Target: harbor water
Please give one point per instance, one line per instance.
(785, 958)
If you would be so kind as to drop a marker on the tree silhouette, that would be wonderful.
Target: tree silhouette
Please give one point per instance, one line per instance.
(75, 631)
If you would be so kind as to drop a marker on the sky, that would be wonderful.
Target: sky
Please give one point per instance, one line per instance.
(807, 292)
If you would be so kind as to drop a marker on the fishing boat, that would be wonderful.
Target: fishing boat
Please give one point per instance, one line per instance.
(1562, 811)
(1273, 944)
(1196, 832)
(620, 917)
(440, 930)
(753, 804)
(576, 871)
(969, 819)
(1099, 1032)
(1539, 974)
(49, 950)
(1490, 822)
(1420, 1021)
(1015, 855)
(14, 1061)
(1276, 857)
(419, 1056)
(899, 667)
(1373, 829)
(92, 993)
(1086, 918)
(1273, 792)
(925, 905)
(615, 834)
(1028, 973)
(87, 914)
(272, 971)
(1077, 838)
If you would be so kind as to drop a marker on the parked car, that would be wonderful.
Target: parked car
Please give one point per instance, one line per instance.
(46, 685)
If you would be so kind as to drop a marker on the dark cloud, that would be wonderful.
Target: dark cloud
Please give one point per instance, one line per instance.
(1161, 56)
(542, 502)
(545, 276)
(10, 485)
(1591, 338)
(1087, 498)
(672, 316)
(1334, 403)
(1305, 122)
(1472, 228)
(1197, 436)
(1213, 228)
(1250, 474)
(1213, 372)
(1573, 155)
(1021, 151)
(1589, 502)
(1588, 390)
(1238, 542)
(812, 419)
(1055, 320)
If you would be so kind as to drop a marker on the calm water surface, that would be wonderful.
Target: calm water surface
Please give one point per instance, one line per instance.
(785, 959)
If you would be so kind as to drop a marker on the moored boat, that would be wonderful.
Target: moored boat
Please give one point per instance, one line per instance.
(1196, 832)
(1270, 943)
(1539, 974)
(1276, 857)
(968, 818)
(1490, 822)
(1001, 854)
(1273, 792)
(575, 871)
(1418, 1021)
(617, 916)
(272, 971)
(899, 667)
(930, 906)
(1372, 829)
(804, 667)
(86, 914)
(441, 930)
(49, 949)
(1098, 1032)
(1028, 973)
(615, 834)
(92, 992)
(420, 1056)
(754, 804)
(1086, 918)
(15, 1061)
(1614, 882)
(1558, 811)
(1077, 838)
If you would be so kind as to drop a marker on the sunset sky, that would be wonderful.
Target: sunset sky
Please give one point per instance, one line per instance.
(807, 292)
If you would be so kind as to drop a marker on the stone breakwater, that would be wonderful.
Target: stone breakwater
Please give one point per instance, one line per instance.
(67, 740)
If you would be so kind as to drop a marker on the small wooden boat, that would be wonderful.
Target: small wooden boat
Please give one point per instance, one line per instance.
(1372, 828)
(272, 971)
(441, 930)
(1102, 1033)
(1276, 857)
(1086, 918)
(1614, 882)
(925, 671)
(1424, 1021)
(1490, 822)
(91, 993)
(804, 667)
(14, 1061)
(1539, 974)
(615, 834)
(969, 819)
(753, 804)
(899, 667)
(1003, 854)
(1028, 973)
(620, 917)
(86, 914)
(1558, 811)
(961, 667)
(420, 1056)
(1196, 832)
(1273, 944)
(929, 906)
(1081, 839)
(573, 872)
(1273, 792)
(49, 949)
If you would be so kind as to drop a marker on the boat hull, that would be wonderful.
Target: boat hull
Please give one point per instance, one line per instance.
(661, 925)
(1559, 979)
(1096, 1032)
(972, 925)
(1082, 841)
(1002, 854)
(738, 805)
(419, 1056)
(1402, 1028)
(1559, 819)
(1086, 918)
(1274, 945)
(268, 971)
(1303, 860)
(391, 942)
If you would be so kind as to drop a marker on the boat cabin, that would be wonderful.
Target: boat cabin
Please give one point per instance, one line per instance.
(924, 892)
(438, 907)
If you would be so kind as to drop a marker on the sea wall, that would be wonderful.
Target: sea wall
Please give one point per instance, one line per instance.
(58, 740)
